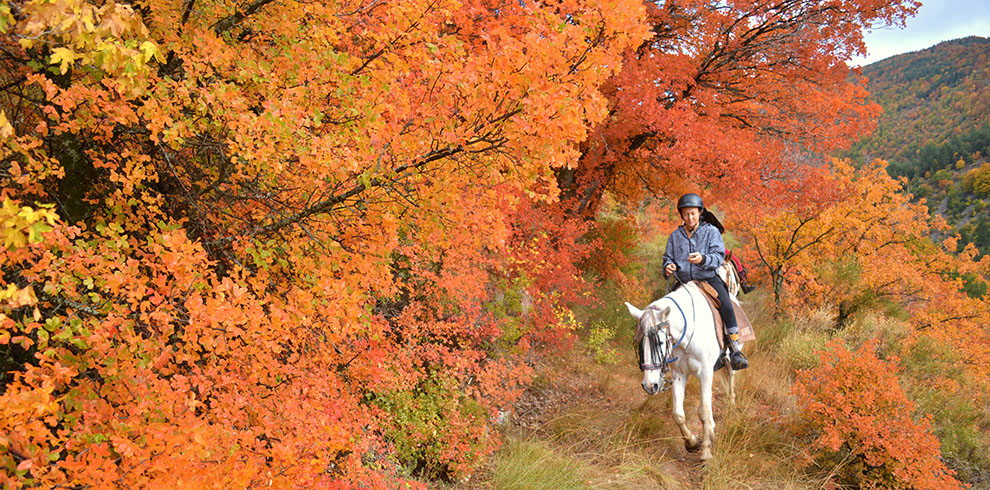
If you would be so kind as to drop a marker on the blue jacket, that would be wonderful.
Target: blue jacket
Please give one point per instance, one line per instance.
(706, 241)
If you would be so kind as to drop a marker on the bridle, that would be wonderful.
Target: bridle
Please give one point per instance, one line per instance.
(653, 335)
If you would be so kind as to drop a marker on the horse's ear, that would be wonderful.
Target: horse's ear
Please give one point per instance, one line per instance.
(636, 312)
(663, 314)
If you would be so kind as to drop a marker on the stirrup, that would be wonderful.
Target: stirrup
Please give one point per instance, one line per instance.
(721, 362)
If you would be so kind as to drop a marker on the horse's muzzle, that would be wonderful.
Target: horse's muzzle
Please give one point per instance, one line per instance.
(651, 388)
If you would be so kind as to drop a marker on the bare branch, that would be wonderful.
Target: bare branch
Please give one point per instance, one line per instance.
(227, 23)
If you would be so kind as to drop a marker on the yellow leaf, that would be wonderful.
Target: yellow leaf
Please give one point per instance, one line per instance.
(87, 20)
(64, 56)
(6, 130)
(151, 51)
(5, 18)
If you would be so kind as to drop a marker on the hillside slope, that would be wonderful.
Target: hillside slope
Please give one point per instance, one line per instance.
(929, 97)
(936, 128)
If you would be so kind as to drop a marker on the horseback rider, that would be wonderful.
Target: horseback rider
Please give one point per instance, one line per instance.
(694, 252)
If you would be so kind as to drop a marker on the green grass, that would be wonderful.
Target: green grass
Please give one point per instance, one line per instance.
(527, 464)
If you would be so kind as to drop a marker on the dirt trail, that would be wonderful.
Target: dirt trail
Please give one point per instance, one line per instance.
(601, 414)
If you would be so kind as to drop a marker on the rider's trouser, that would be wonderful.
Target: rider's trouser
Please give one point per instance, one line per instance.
(725, 307)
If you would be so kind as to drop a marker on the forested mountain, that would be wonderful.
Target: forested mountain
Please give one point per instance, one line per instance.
(935, 130)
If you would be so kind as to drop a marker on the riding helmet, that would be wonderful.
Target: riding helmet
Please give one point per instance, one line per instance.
(690, 200)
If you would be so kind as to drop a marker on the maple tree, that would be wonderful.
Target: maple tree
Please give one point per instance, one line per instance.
(278, 226)
(870, 249)
(870, 242)
(297, 244)
(866, 224)
(730, 98)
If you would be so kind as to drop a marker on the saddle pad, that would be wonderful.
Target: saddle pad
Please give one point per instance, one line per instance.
(713, 304)
(746, 332)
(710, 293)
(745, 327)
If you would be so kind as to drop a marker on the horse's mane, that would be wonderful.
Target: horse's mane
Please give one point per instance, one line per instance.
(638, 337)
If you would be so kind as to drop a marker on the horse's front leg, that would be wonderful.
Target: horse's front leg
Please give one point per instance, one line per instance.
(677, 390)
(705, 414)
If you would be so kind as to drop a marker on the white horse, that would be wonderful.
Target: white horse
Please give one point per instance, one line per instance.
(676, 334)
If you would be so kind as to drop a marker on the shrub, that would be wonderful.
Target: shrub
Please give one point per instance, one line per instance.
(436, 435)
(861, 414)
(977, 181)
(599, 335)
(942, 390)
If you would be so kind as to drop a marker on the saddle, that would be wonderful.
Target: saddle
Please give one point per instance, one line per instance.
(742, 321)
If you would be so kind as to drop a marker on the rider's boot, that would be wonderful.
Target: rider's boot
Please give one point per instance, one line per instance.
(747, 287)
(737, 359)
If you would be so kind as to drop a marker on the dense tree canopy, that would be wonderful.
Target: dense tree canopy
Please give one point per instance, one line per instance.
(278, 224)
(736, 98)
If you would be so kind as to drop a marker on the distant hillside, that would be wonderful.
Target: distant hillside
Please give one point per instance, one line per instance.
(935, 130)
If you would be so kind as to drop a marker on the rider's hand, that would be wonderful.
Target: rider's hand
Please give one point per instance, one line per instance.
(695, 258)
(670, 269)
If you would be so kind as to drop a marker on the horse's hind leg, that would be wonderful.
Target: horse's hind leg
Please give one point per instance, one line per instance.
(677, 390)
(705, 414)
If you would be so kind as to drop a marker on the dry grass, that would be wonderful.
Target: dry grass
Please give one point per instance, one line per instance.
(614, 436)
(606, 433)
(525, 464)
(611, 435)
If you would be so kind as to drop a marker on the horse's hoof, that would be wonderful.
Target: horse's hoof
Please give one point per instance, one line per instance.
(706, 455)
(692, 445)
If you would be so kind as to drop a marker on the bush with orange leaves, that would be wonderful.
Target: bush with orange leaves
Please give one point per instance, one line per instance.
(853, 401)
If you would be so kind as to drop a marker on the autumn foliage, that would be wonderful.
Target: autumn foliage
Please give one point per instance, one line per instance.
(859, 237)
(854, 402)
(315, 244)
(867, 246)
(279, 229)
(729, 97)
(867, 249)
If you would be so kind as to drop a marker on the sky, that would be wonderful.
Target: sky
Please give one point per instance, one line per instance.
(936, 21)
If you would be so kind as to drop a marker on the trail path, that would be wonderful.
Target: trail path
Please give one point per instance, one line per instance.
(598, 422)
(601, 416)
(606, 415)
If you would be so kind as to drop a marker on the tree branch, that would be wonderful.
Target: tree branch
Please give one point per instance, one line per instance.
(227, 23)
(186, 10)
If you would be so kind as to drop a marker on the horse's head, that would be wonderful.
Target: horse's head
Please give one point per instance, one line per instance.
(652, 344)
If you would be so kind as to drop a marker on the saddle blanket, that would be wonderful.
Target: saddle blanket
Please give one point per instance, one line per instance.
(746, 332)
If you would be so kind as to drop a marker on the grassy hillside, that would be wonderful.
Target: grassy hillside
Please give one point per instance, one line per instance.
(936, 129)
